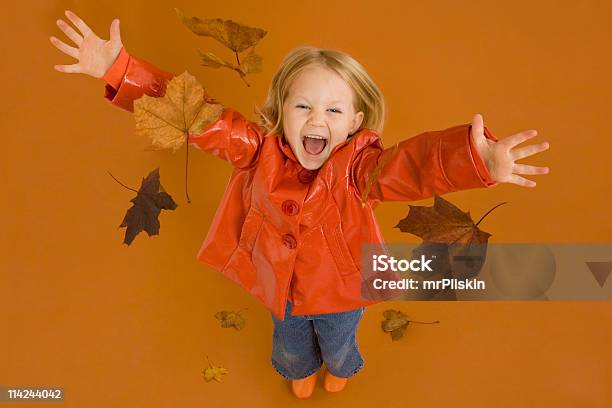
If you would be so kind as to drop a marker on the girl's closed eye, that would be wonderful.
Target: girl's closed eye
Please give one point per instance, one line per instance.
(331, 109)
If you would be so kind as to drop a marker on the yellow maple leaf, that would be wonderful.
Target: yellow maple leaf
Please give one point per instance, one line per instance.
(213, 372)
(185, 108)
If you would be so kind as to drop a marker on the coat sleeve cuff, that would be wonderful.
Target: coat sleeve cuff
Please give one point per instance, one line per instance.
(462, 167)
(136, 77)
(115, 73)
(481, 167)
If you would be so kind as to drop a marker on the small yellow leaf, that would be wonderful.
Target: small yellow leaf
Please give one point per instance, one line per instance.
(214, 373)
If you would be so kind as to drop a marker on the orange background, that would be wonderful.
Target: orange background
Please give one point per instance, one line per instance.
(120, 326)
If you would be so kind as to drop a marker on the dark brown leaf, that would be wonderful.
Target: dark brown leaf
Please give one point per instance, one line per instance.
(442, 222)
(148, 203)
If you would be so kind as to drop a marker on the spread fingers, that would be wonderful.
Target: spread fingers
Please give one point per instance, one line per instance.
(73, 52)
(527, 169)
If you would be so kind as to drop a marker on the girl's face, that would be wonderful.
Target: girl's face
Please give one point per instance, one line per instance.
(319, 104)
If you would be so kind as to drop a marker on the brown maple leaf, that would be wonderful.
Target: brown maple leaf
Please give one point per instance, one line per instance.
(443, 222)
(184, 109)
(396, 322)
(151, 198)
(235, 36)
(451, 239)
(231, 319)
(213, 372)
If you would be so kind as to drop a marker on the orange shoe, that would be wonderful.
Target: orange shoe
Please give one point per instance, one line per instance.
(332, 383)
(304, 387)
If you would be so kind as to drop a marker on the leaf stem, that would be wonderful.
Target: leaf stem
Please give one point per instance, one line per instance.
(187, 165)
(414, 321)
(237, 58)
(242, 77)
(129, 188)
(487, 213)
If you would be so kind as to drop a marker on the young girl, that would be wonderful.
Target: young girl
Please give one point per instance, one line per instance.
(291, 221)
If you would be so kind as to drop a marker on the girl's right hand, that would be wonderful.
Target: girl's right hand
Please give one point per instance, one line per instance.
(95, 55)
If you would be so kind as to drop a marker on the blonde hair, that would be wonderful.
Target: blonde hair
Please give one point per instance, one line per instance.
(367, 97)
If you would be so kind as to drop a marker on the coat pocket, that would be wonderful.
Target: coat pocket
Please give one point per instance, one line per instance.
(250, 228)
(240, 267)
(339, 249)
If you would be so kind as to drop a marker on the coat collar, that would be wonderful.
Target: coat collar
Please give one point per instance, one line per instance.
(359, 140)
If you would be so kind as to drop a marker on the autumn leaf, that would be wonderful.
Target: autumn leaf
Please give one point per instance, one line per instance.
(184, 109)
(151, 198)
(442, 222)
(395, 322)
(168, 121)
(375, 173)
(251, 64)
(451, 239)
(231, 319)
(211, 60)
(394, 319)
(213, 372)
(235, 36)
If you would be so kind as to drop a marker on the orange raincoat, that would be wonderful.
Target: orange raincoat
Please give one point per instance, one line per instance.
(284, 232)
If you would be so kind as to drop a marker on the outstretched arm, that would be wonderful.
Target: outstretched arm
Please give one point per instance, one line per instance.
(436, 162)
(230, 137)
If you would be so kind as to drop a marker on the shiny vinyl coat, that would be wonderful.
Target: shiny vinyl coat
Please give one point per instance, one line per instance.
(285, 232)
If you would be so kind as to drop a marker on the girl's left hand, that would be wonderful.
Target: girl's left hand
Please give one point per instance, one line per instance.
(499, 156)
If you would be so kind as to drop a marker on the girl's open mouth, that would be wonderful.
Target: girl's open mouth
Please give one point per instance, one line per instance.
(314, 144)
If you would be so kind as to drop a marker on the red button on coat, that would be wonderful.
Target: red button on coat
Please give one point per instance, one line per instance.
(289, 241)
(306, 176)
(290, 207)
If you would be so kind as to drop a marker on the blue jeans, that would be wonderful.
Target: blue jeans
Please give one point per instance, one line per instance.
(301, 344)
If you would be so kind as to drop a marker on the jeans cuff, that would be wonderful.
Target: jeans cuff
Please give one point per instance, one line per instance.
(280, 371)
(355, 371)
(359, 367)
